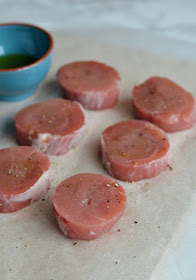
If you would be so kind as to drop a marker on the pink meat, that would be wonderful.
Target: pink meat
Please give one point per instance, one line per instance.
(95, 85)
(54, 126)
(164, 103)
(134, 150)
(88, 205)
(25, 177)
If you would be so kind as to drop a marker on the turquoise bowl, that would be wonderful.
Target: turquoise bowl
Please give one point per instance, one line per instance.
(27, 40)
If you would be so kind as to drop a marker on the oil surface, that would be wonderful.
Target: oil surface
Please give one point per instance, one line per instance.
(15, 60)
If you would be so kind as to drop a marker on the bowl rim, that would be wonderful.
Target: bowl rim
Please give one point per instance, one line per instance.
(51, 44)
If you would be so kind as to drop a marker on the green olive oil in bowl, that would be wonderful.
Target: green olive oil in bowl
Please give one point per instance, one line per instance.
(10, 61)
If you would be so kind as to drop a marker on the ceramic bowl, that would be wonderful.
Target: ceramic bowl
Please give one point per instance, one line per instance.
(18, 40)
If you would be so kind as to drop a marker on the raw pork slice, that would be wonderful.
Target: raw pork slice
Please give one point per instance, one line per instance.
(53, 126)
(25, 177)
(87, 205)
(93, 84)
(164, 103)
(134, 150)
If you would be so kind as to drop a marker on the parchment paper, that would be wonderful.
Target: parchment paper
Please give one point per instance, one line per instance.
(31, 245)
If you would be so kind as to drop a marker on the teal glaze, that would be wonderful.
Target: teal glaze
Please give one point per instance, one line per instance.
(19, 83)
